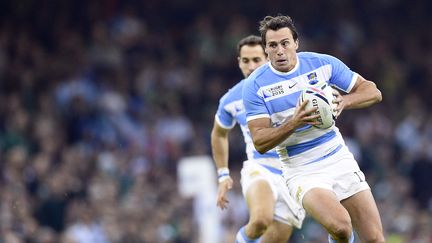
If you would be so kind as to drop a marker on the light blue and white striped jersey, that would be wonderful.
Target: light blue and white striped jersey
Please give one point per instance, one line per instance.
(231, 111)
(268, 93)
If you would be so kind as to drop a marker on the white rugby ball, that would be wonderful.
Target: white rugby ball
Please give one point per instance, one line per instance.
(320, 96)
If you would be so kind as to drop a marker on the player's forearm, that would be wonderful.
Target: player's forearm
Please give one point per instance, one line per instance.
(220, 150)
(265, 139)
(365, 95)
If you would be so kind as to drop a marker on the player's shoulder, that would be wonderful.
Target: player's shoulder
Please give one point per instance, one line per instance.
(233, 94)
(313, 55)
(316, 57)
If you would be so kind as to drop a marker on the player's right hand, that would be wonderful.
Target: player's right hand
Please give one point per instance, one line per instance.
(304, 116)
(224, 187)
(339, 101)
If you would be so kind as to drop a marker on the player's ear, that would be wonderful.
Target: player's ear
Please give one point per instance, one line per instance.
(296, 44)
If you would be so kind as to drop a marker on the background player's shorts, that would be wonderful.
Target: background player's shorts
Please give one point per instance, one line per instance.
(287, 210)
(339, 173)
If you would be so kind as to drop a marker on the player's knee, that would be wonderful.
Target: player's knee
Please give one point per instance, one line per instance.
(259, 225)
(342, 233)
(341, 229)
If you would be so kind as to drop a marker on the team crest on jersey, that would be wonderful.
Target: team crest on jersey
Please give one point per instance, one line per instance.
(312, 77)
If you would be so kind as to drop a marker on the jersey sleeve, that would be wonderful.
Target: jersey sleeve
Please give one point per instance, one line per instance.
(223, 117)
(254, 101)
(341, 75)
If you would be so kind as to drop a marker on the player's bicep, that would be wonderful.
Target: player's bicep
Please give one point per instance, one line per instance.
(367, 88)
(258, 124)
(359, 82)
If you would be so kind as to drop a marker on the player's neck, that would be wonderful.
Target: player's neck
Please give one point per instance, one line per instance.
(291, 69)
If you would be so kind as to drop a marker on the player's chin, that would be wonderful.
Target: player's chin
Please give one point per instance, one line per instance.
(282, 66)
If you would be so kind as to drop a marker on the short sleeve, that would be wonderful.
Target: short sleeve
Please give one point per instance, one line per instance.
(253, 101)
(341, 75)
(223, 117)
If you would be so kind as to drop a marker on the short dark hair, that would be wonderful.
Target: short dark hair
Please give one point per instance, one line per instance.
(251, 40)
(276, 23)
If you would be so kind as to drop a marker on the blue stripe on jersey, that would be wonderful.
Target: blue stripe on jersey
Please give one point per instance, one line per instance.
(272, 169)
(305, 127)
(302, 147)
(270, 154)
(327, 155)
(280, 104)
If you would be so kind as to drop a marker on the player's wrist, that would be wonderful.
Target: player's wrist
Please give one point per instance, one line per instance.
(223, 174)
(292, 124)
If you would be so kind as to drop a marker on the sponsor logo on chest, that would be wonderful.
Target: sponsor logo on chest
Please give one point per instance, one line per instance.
(280, 89)
(273, 91)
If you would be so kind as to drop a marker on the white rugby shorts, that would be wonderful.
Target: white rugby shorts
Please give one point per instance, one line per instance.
(339, 173)
(287, 210)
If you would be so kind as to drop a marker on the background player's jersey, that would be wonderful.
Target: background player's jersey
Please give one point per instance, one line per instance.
(231, 111)
(268, 93)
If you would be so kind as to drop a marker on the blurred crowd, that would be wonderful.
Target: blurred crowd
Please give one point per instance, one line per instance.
(100, 99)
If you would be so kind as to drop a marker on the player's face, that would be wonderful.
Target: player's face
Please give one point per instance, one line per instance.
(251, 57)
(281, 49)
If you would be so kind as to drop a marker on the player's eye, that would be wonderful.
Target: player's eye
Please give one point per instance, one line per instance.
(245, 60)
(285, 44)
(272, 45)
(257, 60)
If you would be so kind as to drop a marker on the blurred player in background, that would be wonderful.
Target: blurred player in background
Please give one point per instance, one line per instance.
(272, 212)
(320, 170)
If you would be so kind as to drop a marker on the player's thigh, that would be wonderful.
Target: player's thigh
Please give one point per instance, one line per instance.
(277, 232)
(323, 205)
(364, 214)
(260, 199)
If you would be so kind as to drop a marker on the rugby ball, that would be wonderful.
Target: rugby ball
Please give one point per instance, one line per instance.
(320, 96)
